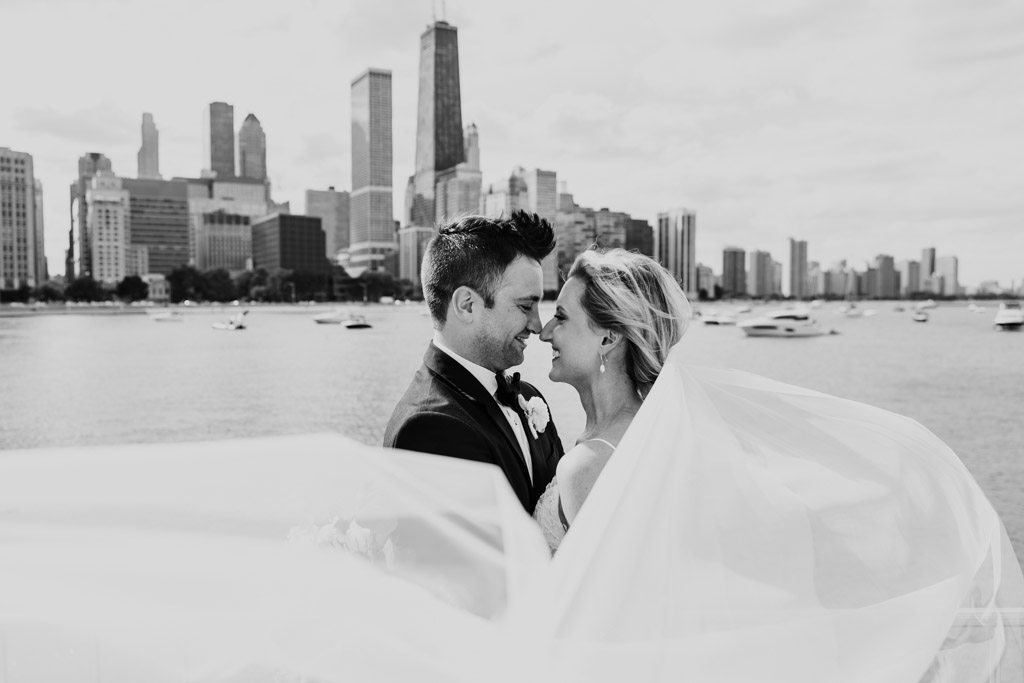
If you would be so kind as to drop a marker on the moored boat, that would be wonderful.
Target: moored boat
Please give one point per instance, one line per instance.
(1010, 316)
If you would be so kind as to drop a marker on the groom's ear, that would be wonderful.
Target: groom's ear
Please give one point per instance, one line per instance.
(464, 303)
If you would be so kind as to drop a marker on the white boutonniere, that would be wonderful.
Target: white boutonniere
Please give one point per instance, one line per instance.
(537, 415)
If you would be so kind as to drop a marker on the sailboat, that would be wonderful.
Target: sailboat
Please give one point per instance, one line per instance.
(235, 322)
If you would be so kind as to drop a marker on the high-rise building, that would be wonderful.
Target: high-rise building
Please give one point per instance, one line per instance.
(910, 277)
(458, 189)
(219, 139)
(705, 281)
(42, 272)
(107, 224)
(372, 236)
(332, 208)
(798, 269)
(149, 152)
(412, 245)
(292, 242)
(252, 149)
(927, 268)
(439, 141)
(213, 237)
(158, 224)
(776, 278)
(887, 286)
(947, 268)
(640, 237)
(18, 251)
(675, 241)
(542, 199)
(79, 255)
(761, 274)
(734, 271)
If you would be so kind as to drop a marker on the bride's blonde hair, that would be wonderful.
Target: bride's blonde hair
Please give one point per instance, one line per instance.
(637, 297)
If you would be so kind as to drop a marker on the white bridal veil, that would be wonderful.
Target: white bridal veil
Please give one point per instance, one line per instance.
(745, 530)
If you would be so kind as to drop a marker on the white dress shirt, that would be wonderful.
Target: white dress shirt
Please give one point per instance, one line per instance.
(486, 378)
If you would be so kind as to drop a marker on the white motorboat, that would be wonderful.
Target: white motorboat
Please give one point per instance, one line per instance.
(716, 318)
(331, 318)
(1010, 316)
(786, 323)
(928, 303)
(234, 323)
(357, 322)
(920, 316)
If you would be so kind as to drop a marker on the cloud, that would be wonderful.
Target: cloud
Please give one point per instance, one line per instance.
(103, 124)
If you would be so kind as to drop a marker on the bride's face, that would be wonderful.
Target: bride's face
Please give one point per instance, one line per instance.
(574, 344)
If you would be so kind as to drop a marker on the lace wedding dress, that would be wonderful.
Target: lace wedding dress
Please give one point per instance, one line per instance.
(744, 530)
(547, 516)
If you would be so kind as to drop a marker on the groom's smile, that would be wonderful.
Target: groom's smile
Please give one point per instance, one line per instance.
(505, 327)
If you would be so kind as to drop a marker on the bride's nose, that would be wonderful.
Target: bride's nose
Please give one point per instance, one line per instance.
(545, 333)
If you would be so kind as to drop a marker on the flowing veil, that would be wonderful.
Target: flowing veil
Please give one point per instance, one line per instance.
(744, 530)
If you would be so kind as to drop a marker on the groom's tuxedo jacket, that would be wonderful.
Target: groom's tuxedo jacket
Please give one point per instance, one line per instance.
(448, 412)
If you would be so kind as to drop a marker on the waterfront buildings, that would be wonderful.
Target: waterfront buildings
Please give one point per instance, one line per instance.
(149, 152)
(458, 189)
(158, 225)
(675, 246)
(372, 237)
(887, 285)
(19, 231)
(640, 237)
(798, 269)
(705, 281)
(412, 244)
(252, 149)
(947, 268)
(219, 139)
(332, 208)
(292, 242)
(78, 259)
(217, 235)
(106, 224)
(927, 269)
(761, 274)
(42, 273)
(909, 277)
(439, 136)
(734, 271)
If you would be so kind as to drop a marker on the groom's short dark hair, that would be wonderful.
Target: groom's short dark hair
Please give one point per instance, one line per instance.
(474, 251)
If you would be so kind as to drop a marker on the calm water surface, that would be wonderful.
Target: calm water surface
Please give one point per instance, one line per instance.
(96, 379)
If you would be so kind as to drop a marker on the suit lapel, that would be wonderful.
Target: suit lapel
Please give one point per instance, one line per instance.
(451, 371)
(536, 456)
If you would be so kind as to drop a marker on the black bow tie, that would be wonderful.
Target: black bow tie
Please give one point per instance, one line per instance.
(508, 390)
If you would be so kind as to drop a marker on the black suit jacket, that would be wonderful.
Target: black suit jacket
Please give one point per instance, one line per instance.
(447, 411)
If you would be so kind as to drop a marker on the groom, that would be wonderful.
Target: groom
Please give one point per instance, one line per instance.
(482, 280)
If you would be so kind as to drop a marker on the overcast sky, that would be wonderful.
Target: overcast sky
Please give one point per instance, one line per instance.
(864, 127)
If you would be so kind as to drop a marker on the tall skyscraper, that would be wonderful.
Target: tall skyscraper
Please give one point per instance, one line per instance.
(761, 273)
(887, 286)
(458, 189)
(149, 153)
(439, 141)
(332, 208)
(18, 253)
(252, 149)
(42, 272)
(219, 139)
(734, 271)
(947, 267)
(798, 268)
(107, 224)
(910, 277)
(927, 268)
(675, 241)
(371, 214)
(79, 254)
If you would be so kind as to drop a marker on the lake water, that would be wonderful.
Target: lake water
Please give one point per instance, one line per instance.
(102, 379)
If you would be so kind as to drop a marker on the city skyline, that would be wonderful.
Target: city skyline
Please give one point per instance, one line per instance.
(860, 129)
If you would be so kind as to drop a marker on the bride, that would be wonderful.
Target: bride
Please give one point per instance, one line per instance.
(721, 527)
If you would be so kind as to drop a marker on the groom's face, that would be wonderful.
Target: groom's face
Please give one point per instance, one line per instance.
(502, 330)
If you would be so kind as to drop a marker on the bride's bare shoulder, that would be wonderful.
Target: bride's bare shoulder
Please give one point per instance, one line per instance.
(578, 470)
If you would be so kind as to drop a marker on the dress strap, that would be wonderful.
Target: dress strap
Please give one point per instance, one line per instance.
(607, 443)
(561, 516)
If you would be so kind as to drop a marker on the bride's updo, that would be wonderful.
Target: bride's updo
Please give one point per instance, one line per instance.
(637, 297)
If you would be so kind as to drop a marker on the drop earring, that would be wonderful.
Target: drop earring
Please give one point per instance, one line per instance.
(602, 363)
